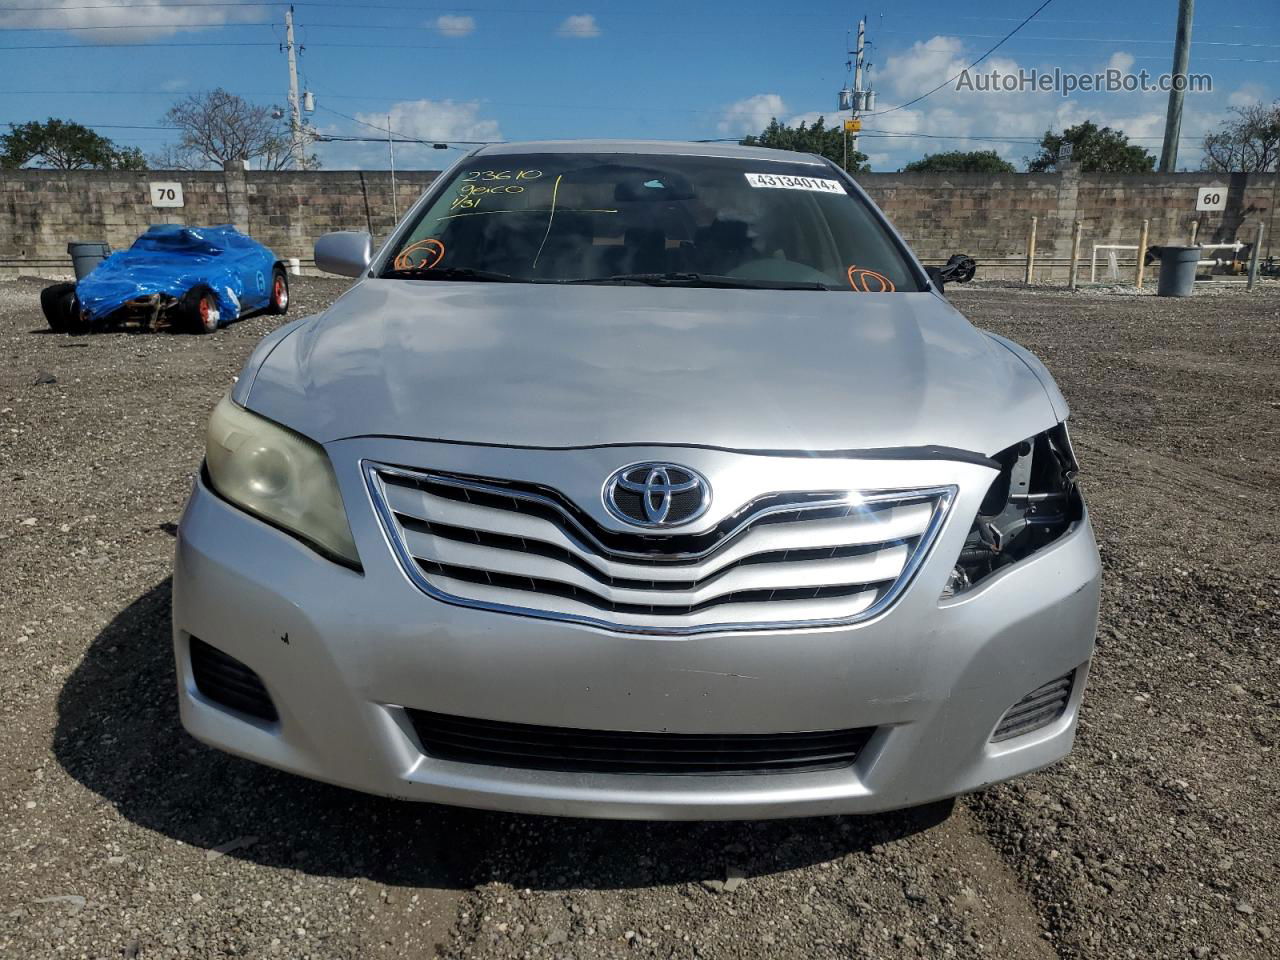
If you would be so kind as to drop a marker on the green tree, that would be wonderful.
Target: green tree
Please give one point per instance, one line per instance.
(64, 145)
(816, 138)
(961, 161)
(1096, 149)
(130, 158)
(1247, 143)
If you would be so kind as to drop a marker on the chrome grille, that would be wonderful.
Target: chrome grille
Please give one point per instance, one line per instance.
(811, 558)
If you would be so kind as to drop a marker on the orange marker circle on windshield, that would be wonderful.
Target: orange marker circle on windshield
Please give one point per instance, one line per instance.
(865, 280)
(422, 255)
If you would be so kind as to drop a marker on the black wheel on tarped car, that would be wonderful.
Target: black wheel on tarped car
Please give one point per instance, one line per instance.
(199, 310)
(60, 307)
(279, 291)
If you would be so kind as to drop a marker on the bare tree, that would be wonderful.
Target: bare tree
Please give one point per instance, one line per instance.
(172, 158)
(218, 126)
(1249, 143)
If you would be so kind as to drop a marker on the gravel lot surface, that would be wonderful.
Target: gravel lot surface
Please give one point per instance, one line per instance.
(122, 837)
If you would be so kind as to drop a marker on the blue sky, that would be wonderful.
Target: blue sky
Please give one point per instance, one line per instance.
(503, 69)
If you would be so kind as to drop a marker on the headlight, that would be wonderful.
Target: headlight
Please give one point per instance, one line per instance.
(280, 476)
(1031, 502)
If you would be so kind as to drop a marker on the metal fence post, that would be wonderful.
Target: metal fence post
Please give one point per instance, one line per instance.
(1253, 260)
(1075, 255)
(1031, 251)
(1142, 253)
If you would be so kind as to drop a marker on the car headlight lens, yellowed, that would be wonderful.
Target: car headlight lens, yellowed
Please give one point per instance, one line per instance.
(279, 476)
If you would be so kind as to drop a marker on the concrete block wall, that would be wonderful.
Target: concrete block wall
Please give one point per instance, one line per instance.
(985, 215)
(1169, 201)
(288, 211)
(989, 215)
(42, 210)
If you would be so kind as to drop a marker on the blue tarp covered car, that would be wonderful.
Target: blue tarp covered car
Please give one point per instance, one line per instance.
(194, 277)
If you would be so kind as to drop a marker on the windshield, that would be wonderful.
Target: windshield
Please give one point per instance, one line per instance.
(662, 220)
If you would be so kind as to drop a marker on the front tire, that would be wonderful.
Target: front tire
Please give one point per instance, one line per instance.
(279, 292)
(60, 307)
(200, 310)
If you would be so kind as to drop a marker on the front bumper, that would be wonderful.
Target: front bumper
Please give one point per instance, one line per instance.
(343, 653)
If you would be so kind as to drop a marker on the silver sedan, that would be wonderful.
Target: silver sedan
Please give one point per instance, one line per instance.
(644, 481)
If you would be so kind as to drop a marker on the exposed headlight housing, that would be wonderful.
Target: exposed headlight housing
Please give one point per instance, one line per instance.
(1031, 503)
(279, 476)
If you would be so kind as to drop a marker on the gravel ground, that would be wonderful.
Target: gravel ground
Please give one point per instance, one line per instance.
(122, 837)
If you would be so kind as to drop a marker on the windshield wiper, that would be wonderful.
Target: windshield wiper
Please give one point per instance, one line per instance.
(451, 273)
(703, 280)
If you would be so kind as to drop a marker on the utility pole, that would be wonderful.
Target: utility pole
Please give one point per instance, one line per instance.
(845, 104)
(858, 99)
(858, 93)
(391, 148)
(1181, 59)
(296, 146)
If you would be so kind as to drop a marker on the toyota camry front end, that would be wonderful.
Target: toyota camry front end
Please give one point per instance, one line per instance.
(638, 480)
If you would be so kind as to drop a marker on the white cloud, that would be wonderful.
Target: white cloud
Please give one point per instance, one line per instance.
(1247, 95)
(117, 21)
(435, 121)
(453, 25)
(752, 114)
(808, 118)
(1121, 60)
(580, 25)
(1022, 117)
(830, 118)
(1010, 123)
(919, 68)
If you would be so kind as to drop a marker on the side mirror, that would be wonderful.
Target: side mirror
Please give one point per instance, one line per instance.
(936, 277)
(347, 253)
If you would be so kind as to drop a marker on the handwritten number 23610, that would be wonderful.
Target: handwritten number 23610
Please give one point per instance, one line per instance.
(492, 175)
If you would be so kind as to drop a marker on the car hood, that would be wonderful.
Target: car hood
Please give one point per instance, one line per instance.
(544, 365)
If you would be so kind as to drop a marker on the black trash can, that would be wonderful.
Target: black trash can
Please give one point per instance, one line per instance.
(1177, 271)
(86, 256)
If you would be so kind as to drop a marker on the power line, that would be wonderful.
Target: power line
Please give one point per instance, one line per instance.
(232, 43)
(417, 8)
(336, 46)
(88, 46)
(1163, 58)
(183, 25)
(994, 138)
(339, 138)
(407, 138)
(106, 126)
(990, 51)
(394, 133)
(432, 46)
(248, 3)
(1093, 22)
(167, 3)
(1207, 43)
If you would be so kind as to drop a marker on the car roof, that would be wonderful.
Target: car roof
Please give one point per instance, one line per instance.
(652, 147)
